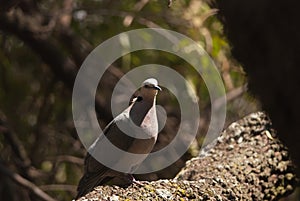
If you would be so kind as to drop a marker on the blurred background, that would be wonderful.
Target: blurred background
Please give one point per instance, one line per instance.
(43, 44)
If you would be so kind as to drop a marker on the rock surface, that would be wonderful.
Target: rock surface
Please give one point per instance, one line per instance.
(247, 162)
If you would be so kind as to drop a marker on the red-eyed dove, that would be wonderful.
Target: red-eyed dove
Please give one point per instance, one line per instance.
(142, 113)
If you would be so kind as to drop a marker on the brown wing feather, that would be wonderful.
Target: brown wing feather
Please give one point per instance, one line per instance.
(95, 173)
(90, 179)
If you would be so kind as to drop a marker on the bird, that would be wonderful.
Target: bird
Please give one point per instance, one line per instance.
(142, 113)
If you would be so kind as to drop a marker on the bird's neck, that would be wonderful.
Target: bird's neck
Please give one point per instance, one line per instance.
(140, 109)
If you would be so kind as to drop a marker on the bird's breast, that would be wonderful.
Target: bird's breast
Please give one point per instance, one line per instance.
(149, 124)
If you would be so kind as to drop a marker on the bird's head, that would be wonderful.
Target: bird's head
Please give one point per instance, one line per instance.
(150, 88)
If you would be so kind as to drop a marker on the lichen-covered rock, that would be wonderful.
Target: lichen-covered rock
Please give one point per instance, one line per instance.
(248, 159)
(247, 162)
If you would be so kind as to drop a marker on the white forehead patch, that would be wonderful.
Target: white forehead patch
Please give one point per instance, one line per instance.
(150, 81)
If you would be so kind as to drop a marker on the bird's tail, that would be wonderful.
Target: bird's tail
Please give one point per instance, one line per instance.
(87, 183)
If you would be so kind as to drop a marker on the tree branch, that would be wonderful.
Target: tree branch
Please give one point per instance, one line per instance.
(25, 183)
(62, 66)
(59, 187)
(16, 145)
(6, 5)
(66, 158)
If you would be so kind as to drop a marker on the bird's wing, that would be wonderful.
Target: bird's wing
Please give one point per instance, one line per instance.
(93, 171)
(114, 134)
(91, 177)
(96, 173)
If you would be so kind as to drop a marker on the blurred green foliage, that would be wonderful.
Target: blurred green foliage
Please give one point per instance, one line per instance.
(35, 103)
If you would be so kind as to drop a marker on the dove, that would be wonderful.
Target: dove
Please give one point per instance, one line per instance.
(141, 123)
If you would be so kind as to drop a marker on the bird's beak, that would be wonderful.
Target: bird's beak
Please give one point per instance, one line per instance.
(157, 88)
